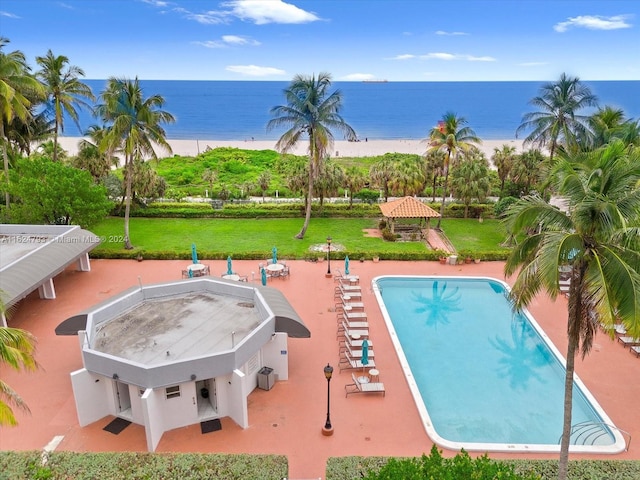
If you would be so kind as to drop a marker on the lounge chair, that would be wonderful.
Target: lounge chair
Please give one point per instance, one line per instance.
(341, 292)
(359, 387)
(345, 325)
(354, 342)
(348, 287)
(347, 361)
(355, 354)
(635, 349)
(628, 341)
(346, 304)
(351, 279)
(352, 315)
(352, 333)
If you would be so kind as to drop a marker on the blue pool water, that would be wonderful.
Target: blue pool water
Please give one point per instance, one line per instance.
(486, 376)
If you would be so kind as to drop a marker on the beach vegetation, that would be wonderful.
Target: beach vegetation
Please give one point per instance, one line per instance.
(503, 159)
(597, 237)
(452, 137)
(134, 127)
(19, 90)
(91, 158)
(47, 192)
(311, 113)
(354, 180)
(64, 91)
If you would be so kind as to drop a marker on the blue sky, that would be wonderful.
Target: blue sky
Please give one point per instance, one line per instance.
(396, 40)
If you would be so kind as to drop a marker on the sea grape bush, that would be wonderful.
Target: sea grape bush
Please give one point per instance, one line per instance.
(435, 466)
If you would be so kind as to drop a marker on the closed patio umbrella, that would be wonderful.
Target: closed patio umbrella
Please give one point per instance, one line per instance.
(365, 354)
(346, 265)
(264, 277)
(194, 254)
(229, 269)
(274, 250)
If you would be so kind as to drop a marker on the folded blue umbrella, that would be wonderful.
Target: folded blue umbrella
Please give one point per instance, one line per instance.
(346, 265)
(194, 254)
(274, 250)
(229, 269)
(264, 277)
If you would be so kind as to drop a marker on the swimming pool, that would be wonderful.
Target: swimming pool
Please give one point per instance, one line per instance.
(485, 378)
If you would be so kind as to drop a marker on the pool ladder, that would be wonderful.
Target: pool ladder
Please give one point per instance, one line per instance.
(588, 433)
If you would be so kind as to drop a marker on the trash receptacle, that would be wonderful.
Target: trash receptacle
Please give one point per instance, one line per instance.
(265, 378)
(453, 259)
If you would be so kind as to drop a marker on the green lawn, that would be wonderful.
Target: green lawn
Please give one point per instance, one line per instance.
(254, 238)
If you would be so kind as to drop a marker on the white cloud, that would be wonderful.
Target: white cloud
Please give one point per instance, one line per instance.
(239, 40)
(157, 3)
(439, 56)
(228, 41)
(442, 32)
(471, 58)
(594, 22)
(531, 64)
(452, 56)
(207, 18)
(65, 5)
(358, 77)
(255, 71)
(405, 56)
(262, 12)
(7, 14)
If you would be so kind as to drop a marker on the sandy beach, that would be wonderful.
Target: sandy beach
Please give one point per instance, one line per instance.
(341, 148)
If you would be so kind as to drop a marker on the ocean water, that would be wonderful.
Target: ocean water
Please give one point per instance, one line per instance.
(237, 110)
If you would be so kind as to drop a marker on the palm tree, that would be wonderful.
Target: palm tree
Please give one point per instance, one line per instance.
(264, 179)
(311, 113)
(354, 180)
(503, 158)
(64, 91)
(16, 86)
(526, 170)
(134, 127)
(598, 238)
(471, 180)
(97, 162)
(17, 349)
(604, 125)
(383, 172)
(451, 137)
(558, 123)
(433, 168)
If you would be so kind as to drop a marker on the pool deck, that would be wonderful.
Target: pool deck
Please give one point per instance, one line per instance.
(287, 419)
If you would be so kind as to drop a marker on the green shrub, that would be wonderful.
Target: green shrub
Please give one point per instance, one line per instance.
(434, 466)
(501, 205)
(387, 235)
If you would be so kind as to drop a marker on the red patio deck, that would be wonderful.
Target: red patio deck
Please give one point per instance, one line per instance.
(288, 418)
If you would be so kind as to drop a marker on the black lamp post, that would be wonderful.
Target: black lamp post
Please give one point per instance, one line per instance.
(328, 429)
(328, 256)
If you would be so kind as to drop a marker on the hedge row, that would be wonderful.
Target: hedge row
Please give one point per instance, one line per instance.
(284, 210)
(138, 466)
(348, 468)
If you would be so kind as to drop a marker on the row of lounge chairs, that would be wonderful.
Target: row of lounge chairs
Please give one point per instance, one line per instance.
(626, 340)
(353, 329)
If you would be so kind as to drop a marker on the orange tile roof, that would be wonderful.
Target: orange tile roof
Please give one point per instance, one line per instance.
(407, 207)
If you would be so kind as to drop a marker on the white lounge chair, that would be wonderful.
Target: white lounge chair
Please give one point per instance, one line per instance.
(352, 315)
(628, 341)
(346, 362)
(360, 387)
(347, 305)
(341, 292)
(355, 354)
(346, 325)
(635, 349)
(355, 340)
(349, 287)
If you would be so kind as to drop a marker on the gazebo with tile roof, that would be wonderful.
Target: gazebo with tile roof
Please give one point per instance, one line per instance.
(407, 207)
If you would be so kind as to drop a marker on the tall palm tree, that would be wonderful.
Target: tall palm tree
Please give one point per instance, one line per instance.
(452, 137)
(502, 159)
(354, 180)
(598, 238)
(311, 113)
(433, 168)
(16, 87)
(557, 122)
(91, 158)
(17, 348)
(134, 127)
(604, 125)
(65, 92)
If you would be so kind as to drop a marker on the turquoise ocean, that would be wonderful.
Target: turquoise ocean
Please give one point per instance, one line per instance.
(240, 110)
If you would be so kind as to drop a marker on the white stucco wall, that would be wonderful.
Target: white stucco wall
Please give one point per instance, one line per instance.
(92, 394)
(152, 411)
(238, 392)
(275, 354)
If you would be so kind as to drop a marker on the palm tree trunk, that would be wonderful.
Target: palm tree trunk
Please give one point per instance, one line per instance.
(563, 464)
(5, 158)
(307, 215)
(55, 140)
(444, 188)
(127, 202)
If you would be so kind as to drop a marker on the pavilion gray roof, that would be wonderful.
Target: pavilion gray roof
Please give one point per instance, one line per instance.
(30, 255)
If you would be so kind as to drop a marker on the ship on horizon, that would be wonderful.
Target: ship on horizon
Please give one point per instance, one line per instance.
(376, 80)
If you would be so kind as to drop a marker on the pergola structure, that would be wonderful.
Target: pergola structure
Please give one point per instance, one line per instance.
(407, 207)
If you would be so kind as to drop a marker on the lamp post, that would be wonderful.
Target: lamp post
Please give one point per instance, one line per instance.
(328, 256)
(327, 430)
